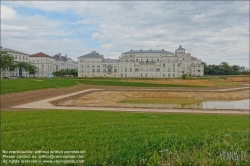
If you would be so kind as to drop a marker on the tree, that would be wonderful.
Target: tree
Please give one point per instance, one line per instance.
(6, 61)
(62, 73)
(28, 67)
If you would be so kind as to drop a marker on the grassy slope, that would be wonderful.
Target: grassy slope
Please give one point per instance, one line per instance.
(19, 85)
(117, 82)
(114, 138)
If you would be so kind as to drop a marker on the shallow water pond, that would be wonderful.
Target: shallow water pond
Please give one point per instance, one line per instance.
(239, 104)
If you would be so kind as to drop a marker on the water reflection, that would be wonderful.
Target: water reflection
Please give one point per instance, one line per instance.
(239, 104)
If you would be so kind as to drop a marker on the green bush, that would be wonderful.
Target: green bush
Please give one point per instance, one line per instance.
(183, 76)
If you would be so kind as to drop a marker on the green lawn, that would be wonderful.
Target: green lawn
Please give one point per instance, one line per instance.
(119, 82)
(118, 138)
(19, 85)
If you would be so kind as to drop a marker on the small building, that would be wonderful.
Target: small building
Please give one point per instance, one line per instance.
(63, 62)
(44, 63)
(18, 57)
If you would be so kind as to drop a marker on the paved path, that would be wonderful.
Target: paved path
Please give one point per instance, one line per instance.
(44, 104)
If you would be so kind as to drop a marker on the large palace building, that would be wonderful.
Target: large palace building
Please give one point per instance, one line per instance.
(141, 63)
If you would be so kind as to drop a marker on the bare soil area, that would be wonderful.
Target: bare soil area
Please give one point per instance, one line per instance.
(229, 81)
(112, 98)
(12, 99)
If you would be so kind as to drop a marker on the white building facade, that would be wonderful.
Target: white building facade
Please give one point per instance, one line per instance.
(44, 63)
(141, 63)
(18, 57)
(63, 62)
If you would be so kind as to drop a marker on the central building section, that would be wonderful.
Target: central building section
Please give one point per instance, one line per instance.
(147, 63)
(141, 63)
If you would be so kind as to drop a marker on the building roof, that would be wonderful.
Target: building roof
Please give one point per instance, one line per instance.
(180, 48)
(110, 61)
(93, 54)
(14, 51)
(60, 58)
(40, 54)
(148, 51)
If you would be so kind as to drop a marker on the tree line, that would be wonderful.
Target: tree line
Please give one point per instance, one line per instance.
(62, 73)
(225, 69)
(7, 63)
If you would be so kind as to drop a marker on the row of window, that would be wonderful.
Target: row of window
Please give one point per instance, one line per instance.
(98, 71)
(146, 75)
(20, 57)
(98, 61)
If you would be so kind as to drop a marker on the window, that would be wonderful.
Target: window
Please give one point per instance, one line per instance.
(158, 60)
(42, 66)
(173, 74)
(109, 70)
(136, 60)
(157, 69)
(136, 69)
(173, 64)
(104, 70)
(125, 69)
(93, 70)
(98, 70)
(163, 75)
(115, 70)
(37, 61)
(168, 69)
(163, 64)
(130, 69)
(173, 69)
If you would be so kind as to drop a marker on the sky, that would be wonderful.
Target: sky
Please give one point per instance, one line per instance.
(214, 31)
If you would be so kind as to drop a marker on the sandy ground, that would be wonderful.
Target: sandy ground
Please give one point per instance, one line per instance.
(45, 104)
(112, 98)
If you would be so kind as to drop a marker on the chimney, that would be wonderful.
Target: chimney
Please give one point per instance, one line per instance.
(94, 52)
(65, 55)
(162, 49)
(131, 49)
(141, 50)
(150, 49)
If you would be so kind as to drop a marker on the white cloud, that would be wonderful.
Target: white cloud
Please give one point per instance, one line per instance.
(212, 31)
(6, 12)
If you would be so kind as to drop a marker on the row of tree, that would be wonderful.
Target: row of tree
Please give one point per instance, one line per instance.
(62, 73)
(225, 69)
(7, 63)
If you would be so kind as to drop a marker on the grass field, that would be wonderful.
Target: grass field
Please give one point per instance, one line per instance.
(118, 138)
(19, 85)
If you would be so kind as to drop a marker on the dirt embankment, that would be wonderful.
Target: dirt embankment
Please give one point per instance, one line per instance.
(9, 100)
(112, 98)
